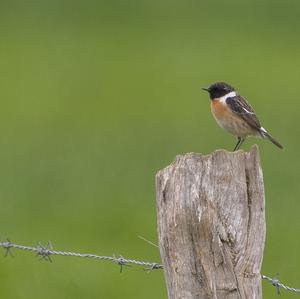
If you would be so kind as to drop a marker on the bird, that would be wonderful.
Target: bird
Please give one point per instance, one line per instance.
(235, 115)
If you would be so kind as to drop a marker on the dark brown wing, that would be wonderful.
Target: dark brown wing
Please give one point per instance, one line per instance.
(241, 107)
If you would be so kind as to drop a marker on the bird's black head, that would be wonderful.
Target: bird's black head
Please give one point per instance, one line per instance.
(218, 89)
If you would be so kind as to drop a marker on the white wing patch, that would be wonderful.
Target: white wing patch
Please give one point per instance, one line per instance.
(247, 111)
(263, 129)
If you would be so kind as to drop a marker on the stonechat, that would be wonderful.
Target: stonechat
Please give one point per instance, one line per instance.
(234, 114)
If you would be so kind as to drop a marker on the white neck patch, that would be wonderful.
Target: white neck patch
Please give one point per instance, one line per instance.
(226, 96)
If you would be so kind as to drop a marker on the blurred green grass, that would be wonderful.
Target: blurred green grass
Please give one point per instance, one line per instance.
(99, 95)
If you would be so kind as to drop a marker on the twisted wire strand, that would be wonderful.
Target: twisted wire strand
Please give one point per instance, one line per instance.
(278, 285)
(45, 251)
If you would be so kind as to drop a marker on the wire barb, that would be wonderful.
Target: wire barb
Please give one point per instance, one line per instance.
(44, 251)
(121, 262)
(154, 266)
(7, 247)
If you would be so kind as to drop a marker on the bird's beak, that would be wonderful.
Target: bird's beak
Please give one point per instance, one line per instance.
(204, 88)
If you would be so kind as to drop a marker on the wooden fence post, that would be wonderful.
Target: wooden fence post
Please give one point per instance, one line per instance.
(211, 223)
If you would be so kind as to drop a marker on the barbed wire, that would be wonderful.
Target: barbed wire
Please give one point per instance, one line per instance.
(278, 285)
(44, 252)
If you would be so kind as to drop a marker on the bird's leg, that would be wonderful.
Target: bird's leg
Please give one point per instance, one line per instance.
(239, 143)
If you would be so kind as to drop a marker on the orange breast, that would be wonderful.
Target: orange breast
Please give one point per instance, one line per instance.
(219, 109)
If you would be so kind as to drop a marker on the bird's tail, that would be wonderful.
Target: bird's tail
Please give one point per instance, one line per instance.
(265, 134)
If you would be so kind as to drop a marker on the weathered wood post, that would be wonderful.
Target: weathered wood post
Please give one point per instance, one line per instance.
(211, 223)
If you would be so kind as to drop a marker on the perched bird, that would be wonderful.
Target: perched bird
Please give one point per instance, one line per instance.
(233, 113)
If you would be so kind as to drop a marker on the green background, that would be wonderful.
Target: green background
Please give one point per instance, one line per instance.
(97, 96)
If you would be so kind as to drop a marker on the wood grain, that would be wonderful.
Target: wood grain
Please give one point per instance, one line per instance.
(211, 224)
